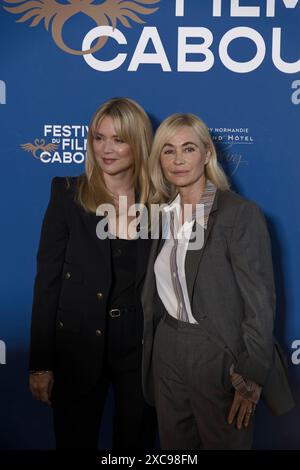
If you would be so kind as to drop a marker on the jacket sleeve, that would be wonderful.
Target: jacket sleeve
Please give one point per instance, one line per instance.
(50, 260)
(252, 265)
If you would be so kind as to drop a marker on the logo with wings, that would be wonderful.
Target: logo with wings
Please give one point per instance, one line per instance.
(55, 15)
(38, 147)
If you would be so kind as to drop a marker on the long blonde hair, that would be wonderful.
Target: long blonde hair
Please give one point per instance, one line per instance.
(161, 189)
(133, 126)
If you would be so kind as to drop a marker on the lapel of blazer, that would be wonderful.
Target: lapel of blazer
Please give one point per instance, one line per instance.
(193, 257)
(149, 293)
(142, 250)
(142, 255)
(100, 248)
(149, 288)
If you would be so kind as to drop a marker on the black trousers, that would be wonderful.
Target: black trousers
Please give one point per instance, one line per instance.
(77, 417)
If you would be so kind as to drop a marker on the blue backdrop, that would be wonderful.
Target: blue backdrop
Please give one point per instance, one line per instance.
(234, 63)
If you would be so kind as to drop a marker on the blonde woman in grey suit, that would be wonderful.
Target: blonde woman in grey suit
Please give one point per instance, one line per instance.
(209, 351)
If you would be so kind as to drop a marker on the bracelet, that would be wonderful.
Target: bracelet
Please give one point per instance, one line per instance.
(39, 372)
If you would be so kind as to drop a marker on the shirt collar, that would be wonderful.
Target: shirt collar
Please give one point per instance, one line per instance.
(201, 213)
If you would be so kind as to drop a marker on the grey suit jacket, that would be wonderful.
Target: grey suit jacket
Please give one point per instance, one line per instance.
(231, 290)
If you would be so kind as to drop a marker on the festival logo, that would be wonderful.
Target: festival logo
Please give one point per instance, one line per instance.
(56, 14)
(38, 148)
(198, 47)
(61, 143)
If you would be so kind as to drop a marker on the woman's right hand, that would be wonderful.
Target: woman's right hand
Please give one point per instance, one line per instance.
(40, 385)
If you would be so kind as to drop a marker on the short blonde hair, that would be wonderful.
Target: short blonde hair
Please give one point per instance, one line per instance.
(162, 190)
(133, 126)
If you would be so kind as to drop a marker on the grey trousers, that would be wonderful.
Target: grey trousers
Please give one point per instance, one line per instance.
(193, 391)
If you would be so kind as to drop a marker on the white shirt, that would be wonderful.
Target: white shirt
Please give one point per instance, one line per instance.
(162, 267)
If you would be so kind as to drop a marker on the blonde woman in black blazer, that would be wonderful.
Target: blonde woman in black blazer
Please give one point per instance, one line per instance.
(87, 322)
(209, 350)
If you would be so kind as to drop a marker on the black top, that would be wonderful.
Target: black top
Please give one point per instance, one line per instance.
(123, 263)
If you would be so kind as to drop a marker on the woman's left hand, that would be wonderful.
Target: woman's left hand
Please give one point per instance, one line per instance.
(241, 409)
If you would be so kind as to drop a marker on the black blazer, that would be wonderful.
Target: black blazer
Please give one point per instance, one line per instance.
(231, 291)
(71, 290)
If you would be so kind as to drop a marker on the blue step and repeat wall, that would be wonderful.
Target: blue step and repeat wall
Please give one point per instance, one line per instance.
(235, 63)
